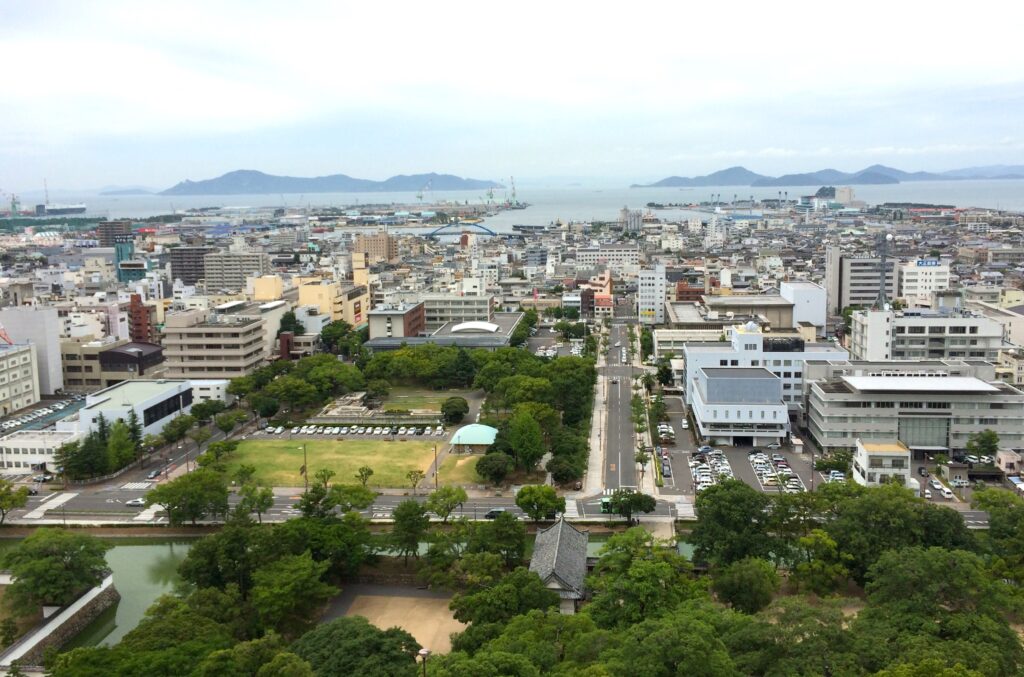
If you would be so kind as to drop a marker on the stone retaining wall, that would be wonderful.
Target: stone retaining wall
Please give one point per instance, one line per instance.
(68, 629)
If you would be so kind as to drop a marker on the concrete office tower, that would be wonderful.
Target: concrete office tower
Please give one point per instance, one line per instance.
(187, 263)
(198, 344)
(651, 295)
(919, 278)
(854, 281)
(379, 246)
(949, 333)
(108, 232)
(42, 328)
(227, 271)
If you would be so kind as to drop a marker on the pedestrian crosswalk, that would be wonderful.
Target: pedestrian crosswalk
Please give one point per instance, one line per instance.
(685, 510)
(136, 486)
(609, 492)
(572, 510)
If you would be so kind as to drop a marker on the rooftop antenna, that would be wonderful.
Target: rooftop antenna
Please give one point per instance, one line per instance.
(883, 251)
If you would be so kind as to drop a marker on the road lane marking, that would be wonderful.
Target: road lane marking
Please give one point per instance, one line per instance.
(61, 499)
(148, 514)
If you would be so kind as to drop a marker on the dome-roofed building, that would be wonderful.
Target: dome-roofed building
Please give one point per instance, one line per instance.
(473, 438)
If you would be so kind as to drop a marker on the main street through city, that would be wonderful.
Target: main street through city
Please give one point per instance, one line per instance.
(620, 438)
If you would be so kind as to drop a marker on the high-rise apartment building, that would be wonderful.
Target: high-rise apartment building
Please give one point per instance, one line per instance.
(227, 271)
(141, 320)
(188, 263)
(19, 378)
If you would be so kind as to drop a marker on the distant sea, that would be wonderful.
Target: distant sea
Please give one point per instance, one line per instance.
(577, 203)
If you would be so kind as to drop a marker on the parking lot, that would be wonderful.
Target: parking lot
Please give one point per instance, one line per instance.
(320, 431)
(42, 414)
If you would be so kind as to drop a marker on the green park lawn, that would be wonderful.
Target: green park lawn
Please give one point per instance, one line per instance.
(460, 469)
(402, 397)
(277, 462)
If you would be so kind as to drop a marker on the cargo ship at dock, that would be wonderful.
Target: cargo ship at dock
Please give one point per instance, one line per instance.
(59, 210)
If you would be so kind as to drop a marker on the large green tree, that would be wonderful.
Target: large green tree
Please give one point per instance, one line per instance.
(287, 592)
(444, 500)
(539, 501)
(527, 440)
(495, 467)
(11, 498)
(52, 567)
(626, 502)
(733, 524)
(454, 409)
(192, 496)
(747, 585)
(512, 595)
(351, 646)
(410, 527)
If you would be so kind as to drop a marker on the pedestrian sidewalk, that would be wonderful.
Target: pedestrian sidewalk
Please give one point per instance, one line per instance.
(594, 479)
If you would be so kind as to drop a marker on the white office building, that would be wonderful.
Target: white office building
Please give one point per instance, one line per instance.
(878, 463)
(155, 404)
(783, 356)
(809, 303)
(25, 451)
(919, 278)
(651, 295)
(931, 407)
(739, 406)
(947, 333)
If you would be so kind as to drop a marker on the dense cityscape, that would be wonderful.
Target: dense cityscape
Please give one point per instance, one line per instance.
(404, 397)
(469, 340)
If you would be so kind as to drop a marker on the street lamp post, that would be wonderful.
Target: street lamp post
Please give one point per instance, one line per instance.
(424, 654)
(305, 467)
(435, 466)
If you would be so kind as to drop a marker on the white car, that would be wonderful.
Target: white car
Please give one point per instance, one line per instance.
(773, 445)
(927, 492)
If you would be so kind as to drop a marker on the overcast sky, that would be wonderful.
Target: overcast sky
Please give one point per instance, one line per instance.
(102, 93)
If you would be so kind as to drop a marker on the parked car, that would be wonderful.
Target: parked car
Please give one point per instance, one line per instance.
(936, 485)
(922, 471)
(773, 445)
(927, 492)
(946, 493)
(959, 482)
(971, 458)
(42, 478)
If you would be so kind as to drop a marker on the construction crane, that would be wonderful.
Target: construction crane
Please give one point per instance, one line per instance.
(426, 188)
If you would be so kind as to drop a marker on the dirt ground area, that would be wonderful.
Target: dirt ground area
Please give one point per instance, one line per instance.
(428, 620)
(422, 613)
